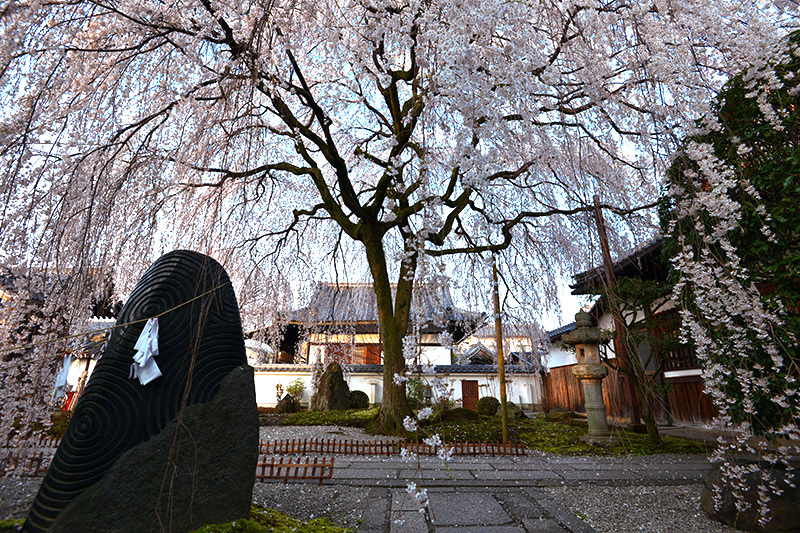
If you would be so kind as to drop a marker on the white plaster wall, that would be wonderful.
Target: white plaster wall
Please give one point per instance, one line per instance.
(371, 384)
(266, 382)
(76, 368)
(558, 356)
(523, 389)
(436, 355)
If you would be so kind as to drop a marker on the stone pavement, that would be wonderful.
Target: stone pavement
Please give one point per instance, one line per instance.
(496, 494)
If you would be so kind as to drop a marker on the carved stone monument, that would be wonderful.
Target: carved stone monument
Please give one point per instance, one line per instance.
(590, 372)
(158, 431)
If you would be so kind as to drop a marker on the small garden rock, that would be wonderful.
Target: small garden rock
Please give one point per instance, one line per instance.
(286, 405)
(784, 508)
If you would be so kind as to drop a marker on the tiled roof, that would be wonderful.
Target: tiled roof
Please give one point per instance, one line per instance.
(560, 331)
(356, 303)
(529, 331)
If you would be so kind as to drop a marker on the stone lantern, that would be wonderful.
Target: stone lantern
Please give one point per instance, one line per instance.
(590, 372)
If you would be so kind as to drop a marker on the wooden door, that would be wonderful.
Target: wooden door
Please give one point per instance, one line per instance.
(469, 394)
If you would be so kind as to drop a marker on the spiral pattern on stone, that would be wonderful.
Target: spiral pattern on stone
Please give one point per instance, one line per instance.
(199, 344)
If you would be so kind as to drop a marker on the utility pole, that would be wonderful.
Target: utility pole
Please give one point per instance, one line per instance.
(620, 346)
(498, 328)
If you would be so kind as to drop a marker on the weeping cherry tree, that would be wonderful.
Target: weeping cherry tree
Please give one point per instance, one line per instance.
(308, 140)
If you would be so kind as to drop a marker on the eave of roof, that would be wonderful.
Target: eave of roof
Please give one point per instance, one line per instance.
(586, 281)
(355, 304)
(558, 332)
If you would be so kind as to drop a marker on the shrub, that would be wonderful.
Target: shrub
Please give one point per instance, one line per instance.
(296, 388)
(59, 421)
(415, 391)
(446, 404)
(488, 405)
(359, 400)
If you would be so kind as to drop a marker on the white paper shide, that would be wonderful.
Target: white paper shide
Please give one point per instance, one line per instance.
(144, 366)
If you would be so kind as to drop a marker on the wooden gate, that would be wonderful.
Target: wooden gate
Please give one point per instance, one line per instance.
(469, 394)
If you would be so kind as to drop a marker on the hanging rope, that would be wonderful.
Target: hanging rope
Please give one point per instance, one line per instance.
(67, 337)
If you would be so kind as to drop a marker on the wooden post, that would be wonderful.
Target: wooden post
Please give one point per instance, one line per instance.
(498, 327)
(619, 345)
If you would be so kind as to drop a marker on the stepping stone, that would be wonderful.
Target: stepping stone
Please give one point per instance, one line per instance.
(466, 509)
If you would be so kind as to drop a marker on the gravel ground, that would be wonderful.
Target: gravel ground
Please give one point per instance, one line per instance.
(670, 509)
(340, 504)
(648, 509)
(319, 432)
(16, 496)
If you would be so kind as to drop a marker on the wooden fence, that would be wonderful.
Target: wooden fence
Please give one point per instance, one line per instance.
(32, 460)
(35, 460)
(685, 397)
(385, 447)
(564, 391)
(688, 401)
(294, 468)
(25, 463)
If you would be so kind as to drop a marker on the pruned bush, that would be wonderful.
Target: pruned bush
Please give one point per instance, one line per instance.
(488, 405)
(359, 400)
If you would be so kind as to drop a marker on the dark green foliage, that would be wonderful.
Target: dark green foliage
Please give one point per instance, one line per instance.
(59, 421)
(11, 526)
(351, 417)
(415, 392)
(459, 413)
(359, 400)
(768, 158)
(488, 405)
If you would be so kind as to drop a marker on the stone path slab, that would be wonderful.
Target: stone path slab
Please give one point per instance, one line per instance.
(466, 509)
(496, 494)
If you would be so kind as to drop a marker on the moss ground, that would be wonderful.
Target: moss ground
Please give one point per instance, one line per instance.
(556, 434)
(348, 417)
(267, 520)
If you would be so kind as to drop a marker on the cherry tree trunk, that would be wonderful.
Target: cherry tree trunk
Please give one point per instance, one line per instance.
(393, 316)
